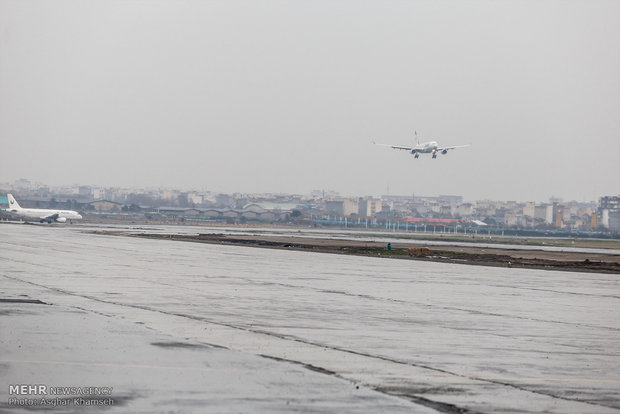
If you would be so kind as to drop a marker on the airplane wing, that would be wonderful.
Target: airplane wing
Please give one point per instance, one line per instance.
(440, 149)
(400, 147)
(50, 217)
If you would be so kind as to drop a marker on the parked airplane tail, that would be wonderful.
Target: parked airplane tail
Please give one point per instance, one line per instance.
(13, 204)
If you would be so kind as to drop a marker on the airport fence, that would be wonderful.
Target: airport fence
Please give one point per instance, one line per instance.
(459, 229)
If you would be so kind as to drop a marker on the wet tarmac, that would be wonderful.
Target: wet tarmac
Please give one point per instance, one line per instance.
(186, 327)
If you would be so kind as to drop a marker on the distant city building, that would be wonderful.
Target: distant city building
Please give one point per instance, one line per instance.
(85, 190)
(388, 197)
(464, 210)
(369, 206)
(609, 209)
(548, 211)
(22, 184)
(557, 215)
(224, 200)
(611, 203)
(98, 193)
(540, 213)
(529, 210)
(343, 207)
(452, 199)
(194, 198)
(614, 222)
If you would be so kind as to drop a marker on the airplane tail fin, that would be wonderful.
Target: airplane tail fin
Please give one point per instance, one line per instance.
(13, 204)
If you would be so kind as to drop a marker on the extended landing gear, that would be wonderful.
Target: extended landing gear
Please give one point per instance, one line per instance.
(416, 156)
(434, 155)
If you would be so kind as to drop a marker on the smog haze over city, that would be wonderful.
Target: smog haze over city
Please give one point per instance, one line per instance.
(288, 96)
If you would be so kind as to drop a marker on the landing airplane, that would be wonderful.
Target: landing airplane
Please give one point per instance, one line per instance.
(41, 214)
(430, 147)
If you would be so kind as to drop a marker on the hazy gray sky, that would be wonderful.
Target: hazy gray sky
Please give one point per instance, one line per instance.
(286, 96)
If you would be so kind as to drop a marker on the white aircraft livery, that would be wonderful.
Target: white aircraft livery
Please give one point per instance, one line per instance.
(430, 147)
(41, 214)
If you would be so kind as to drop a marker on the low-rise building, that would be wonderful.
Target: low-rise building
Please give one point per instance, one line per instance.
(106, 206)
(342, 207)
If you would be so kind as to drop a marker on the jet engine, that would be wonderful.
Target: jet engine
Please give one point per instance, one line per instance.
(444, 152)
(61, 219)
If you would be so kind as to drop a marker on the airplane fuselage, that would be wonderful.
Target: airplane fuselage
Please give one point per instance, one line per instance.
(425, 147)
(42, 213)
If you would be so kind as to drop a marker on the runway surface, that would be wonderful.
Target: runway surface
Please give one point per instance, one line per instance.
(187, 327)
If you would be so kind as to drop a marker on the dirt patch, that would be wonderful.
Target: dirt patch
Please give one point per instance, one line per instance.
(510, 257)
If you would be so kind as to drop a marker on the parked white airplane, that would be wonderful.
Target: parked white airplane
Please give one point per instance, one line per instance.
(41, 214)
(430, 147)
